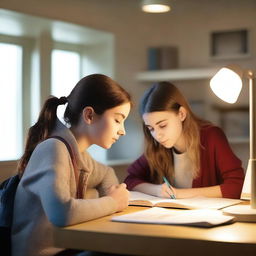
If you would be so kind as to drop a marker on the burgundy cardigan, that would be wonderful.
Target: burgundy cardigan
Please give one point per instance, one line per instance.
(219, 165)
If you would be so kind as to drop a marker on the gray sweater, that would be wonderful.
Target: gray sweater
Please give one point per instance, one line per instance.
(46, 195)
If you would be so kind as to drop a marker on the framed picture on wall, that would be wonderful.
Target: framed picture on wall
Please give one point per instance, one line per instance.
(229, 44)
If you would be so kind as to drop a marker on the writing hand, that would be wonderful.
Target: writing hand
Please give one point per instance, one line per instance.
(170, 191)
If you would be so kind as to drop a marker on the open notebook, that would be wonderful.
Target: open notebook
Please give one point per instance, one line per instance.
(157, 215)
(141, 199)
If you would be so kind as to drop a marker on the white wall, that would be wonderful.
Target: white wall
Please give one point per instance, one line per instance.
(187, 26)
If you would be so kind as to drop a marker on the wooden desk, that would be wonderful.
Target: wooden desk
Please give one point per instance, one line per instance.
(146, 239)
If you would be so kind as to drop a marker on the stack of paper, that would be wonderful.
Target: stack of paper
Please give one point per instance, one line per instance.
(157, 215)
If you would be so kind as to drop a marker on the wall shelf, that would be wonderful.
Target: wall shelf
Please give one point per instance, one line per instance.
(115, 162)
(177, 74)
(239, 140)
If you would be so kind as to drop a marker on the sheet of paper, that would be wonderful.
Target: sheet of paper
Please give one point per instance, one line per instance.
(157, 215)
(209, 202)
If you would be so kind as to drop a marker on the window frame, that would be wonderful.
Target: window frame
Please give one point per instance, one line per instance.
(38, 36)
(79, 49)
(27, 45)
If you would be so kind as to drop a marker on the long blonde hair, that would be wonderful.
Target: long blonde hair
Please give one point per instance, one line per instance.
(164, 96)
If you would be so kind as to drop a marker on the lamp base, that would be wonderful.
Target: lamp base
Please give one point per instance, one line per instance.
(243, 213)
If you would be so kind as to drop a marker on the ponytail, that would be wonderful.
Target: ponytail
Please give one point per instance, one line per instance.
(41, 129)
(97, 91)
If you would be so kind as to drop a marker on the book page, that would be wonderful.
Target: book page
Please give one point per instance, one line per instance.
(138, 198)
(156, 215)
(203, 203)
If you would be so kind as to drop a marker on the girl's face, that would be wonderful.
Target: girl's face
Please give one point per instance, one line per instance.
(108, 127)
(166, 128)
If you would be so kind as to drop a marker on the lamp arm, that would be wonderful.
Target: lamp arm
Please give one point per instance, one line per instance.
(252, 159)
(252, 93)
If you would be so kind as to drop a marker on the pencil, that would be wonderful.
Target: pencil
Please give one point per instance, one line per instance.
(169, 185)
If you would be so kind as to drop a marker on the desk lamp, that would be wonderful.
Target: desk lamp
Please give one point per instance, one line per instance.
(227, 84)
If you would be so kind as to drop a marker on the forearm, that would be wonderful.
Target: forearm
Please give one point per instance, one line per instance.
(213, 191)
(148, 188)
(109, 179)
(159, 190)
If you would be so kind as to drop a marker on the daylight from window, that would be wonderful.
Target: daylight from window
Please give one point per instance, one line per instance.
(10, 100)
(65, 74)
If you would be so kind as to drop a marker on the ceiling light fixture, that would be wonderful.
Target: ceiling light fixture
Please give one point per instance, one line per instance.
(156, 6)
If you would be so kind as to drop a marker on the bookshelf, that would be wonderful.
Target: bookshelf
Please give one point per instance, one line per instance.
(187, 75)
(194, 82)
(238, 140)
(176, 74)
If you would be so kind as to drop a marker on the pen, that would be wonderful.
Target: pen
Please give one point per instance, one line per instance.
(169, 185)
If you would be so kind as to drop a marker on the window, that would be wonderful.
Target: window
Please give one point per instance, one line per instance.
(11, 101)
(65, 74)
(36, 63)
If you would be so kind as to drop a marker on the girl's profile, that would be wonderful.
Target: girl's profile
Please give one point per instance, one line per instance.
(96, 110)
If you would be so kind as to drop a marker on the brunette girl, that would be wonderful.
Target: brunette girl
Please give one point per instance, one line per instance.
(193, 154)
(47, 194)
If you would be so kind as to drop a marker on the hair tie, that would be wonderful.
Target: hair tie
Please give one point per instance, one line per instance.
(63, 100)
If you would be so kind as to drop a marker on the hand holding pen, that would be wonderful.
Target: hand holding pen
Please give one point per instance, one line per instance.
(170, 187)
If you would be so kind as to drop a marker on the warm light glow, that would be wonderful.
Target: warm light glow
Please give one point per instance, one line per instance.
(11, 101)
(156, 8)
(227, 85)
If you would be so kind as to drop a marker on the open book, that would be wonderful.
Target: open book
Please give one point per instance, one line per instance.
(141, 199)
(156, 215)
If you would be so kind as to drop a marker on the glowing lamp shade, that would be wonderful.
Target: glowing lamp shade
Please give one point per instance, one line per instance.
(155, 6)
(227, 85)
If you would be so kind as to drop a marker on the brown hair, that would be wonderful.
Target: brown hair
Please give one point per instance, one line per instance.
(164, 96)
(97, 91)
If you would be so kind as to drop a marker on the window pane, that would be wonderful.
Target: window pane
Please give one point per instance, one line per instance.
(10, 101)
(65, 74)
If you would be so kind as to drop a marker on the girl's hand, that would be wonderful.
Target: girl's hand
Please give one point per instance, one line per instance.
(163, 190)
(120, 194)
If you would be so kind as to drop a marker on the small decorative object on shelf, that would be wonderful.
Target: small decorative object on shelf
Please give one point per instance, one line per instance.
(229, 44)
(160, 58)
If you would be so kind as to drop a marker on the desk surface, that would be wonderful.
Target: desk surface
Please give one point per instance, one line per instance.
(149, 239)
